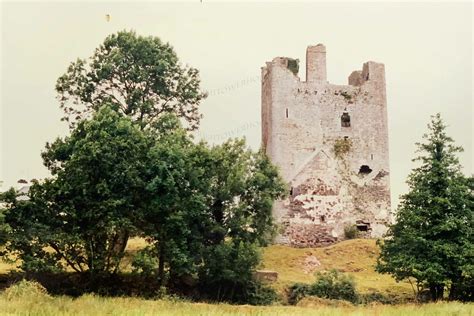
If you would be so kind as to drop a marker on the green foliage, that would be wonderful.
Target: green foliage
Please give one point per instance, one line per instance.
(346, 95)
(195, 203)
(145, 262)
(329, 285)
(4, 227)
(351, 232)
(86, 212)
(298, 291)
(175, 197)
(130, 168)
(342, 147)
(334, 285)
(293, 65)
(243, 187)
(207, 203)
(259, 294)
(432, 240)
(227, 274)
(140, 75)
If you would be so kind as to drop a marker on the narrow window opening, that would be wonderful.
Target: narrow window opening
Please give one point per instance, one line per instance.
(364, 169)
(286, 113)
(291, 191)
(371, 156)
(322, 218)
(345, 119)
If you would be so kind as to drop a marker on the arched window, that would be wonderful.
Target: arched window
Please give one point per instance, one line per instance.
(345, 119)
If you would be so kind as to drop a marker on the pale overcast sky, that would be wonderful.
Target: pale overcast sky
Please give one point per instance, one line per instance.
(426, 49)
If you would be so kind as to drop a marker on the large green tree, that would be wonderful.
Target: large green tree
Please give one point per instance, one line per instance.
(176, 198)
(243, 186)
(205, 201)
(141, 75)
(85, 212)
(432, 240)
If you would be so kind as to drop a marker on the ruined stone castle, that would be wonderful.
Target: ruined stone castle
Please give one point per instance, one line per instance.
(331, 145)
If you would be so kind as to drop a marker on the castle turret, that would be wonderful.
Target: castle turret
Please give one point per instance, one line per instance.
(316, 63)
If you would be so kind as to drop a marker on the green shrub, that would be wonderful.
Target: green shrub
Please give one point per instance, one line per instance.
(334, 285)
(260, 294)
(145, 262)
(226, 274)
(297, 291)
(330, 285)
(351, 232)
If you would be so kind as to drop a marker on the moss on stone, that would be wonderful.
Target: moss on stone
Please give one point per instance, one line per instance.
(346, 95)
(342, 147)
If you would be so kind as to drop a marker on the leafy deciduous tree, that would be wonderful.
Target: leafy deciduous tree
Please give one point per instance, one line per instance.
(140, 75)
(86, 211)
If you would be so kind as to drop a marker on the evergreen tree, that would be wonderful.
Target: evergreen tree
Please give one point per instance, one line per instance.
(432, 240)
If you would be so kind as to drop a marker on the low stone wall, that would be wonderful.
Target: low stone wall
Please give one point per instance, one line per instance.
(265, 276)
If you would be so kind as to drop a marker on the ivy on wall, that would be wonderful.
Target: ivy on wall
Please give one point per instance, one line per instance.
(342, 147)
(293, 65)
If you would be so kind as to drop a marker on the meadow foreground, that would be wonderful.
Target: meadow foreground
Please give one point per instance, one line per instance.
(355, 257)
(92, 305)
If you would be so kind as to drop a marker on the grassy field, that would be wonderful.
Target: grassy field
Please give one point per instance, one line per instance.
(91, 305)
(356, 257)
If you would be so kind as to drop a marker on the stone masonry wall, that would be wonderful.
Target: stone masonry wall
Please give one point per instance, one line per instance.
(331, 145)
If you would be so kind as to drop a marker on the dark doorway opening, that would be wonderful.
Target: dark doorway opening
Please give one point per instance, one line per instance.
(363, 226)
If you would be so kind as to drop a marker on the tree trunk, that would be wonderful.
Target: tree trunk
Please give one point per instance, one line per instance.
(436, 291)
(440, 291)
(119, 249)
(452, 292)
(161, 264)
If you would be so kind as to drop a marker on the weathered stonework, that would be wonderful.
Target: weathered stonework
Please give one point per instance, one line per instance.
(331, 145)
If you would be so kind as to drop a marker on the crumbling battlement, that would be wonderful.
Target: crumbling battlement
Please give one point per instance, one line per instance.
(331, 145)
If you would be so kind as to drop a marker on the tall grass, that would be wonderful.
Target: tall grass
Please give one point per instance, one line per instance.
(93, 305)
